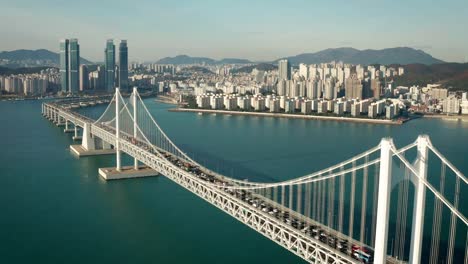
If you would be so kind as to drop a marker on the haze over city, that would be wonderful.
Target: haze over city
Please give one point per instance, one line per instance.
(256, 30)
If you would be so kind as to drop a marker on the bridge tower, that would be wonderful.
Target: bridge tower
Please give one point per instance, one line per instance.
(135, 124)
(117, 129)
(420, 196)
(383, 201)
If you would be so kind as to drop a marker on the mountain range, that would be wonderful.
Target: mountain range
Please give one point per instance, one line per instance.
(185, 59)
(40, 57)
(400, 55)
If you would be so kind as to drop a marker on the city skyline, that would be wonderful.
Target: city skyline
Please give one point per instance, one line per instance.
(240, 30)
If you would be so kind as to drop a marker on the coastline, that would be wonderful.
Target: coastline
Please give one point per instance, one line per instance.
(281, 115)
(448, 117)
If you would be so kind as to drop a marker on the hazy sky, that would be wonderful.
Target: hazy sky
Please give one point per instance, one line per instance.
(253, 29)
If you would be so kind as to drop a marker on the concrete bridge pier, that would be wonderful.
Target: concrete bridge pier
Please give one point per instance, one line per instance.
(67, 128)
(50, 114)
(90, 145)
(127, 172)
(60, 120)
(76, 137)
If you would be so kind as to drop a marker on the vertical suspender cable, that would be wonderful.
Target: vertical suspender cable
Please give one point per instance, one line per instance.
(453, 223)
(283, 191)
(404, 215)
(351, 210)
(341, 208)
(324, 190)
(364, 201)
(309, 198)
(299, 199)
(332, 203)
(291, 190)
(436, 223)
(374, 203)
(319, 201)
(314, 201)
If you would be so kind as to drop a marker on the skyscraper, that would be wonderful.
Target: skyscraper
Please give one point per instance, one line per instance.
(74, 65)
(123, 66)
(69, 65)
(84, 78)
(110, 65)
(284, 70)
(353, 87)
(64, 64)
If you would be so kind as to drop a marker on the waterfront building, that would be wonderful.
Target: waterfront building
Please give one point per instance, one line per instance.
(322, 107)
(258, 104)
(203, 101)
(230, 103)
(451, 105)
(289, 106)
(330, 105)
(372, 110)
(339, 108)
(355, 109)
(274, 105)
(74, 65)
(64, 70)
(123, 66)
(245, 103)
(84, 78)
(216, 102)
(110, 66)
(389, 111)
(306, 107)
(314, 105)
(284, 70)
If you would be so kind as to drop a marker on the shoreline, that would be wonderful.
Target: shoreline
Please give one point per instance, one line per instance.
(447, 117)
(281, 115)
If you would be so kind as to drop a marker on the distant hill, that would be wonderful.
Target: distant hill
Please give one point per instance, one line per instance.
(40, 57)
(401, 55)
(233, 61)
(451, 75)
(185, 59)
(260, 67)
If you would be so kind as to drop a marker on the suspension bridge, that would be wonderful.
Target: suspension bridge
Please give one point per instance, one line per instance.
(386, 205)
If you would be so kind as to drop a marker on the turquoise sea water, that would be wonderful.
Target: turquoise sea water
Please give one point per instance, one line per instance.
(54, 208)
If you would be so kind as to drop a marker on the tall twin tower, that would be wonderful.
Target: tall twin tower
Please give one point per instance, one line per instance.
(113, 76)
(122, 72)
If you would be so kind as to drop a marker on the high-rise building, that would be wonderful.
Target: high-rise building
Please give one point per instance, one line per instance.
(375, 88)
(110, 65)
(284, 70)
(64, 70)
(74, 65)
(304, 71)
(123, 66)
(84, 78)
(69, 65)
(353, 87)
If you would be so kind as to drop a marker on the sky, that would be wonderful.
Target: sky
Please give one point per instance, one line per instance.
(252, 29)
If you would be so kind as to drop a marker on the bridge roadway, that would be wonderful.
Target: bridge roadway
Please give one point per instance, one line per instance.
(310, 240)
